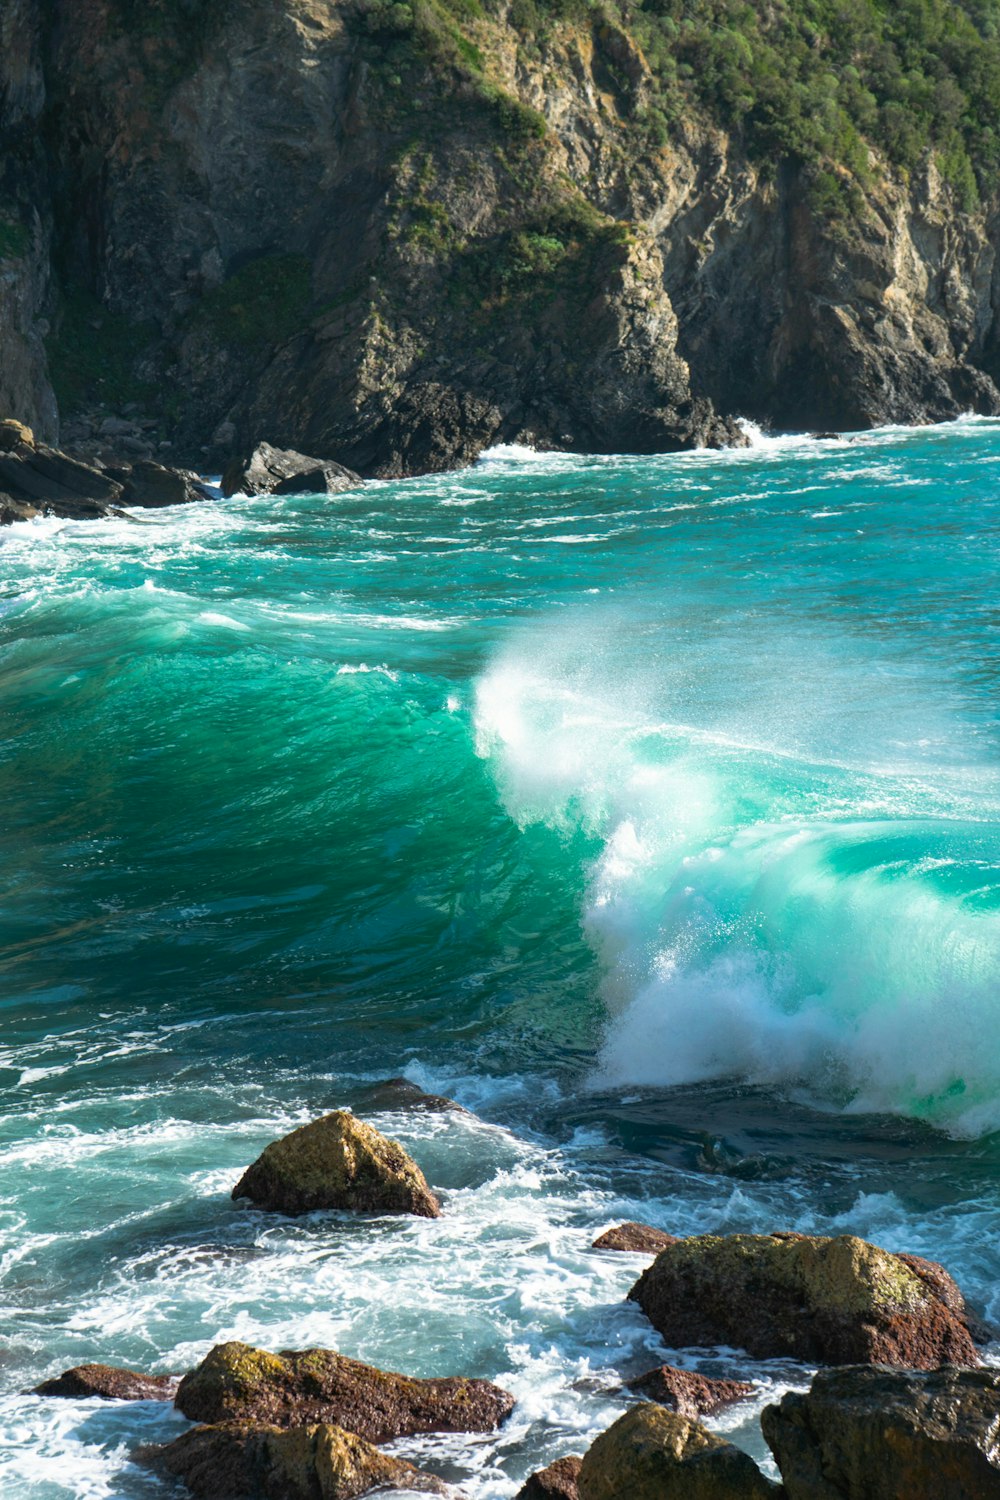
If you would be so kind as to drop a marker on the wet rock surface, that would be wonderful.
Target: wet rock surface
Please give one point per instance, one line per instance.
(559, 1481)
(400, 1093)
(686, 1392)
(110, 1383)
(321, 1462)
(281, 471)
(36, 480)
(337, 1161)
(654, 1454)
(864, 1433)
(238, 1383)
(642, 1238)
(829, 1301)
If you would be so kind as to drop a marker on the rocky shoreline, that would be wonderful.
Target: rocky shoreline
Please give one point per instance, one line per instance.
(900, 1406)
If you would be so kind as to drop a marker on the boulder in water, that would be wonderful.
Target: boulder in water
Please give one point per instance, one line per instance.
(828, 1301)
(864, 1433)
(273, 1463)
(110, 1383)
(557, 1482)
(337, 1162)
(654, 1454)
(150, 484)
(641, 1238)
(400, 1093)
(686, 1392)
(282, 471)
(237, 1383)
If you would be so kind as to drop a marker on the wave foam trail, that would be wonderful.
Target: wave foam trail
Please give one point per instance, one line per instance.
(761, 914)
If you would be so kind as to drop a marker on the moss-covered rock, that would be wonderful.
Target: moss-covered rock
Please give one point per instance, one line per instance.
(237, 1383)
(831, 1301)
(302, 1463)
(877, 1434)
(653, 1454)
(337, 1162)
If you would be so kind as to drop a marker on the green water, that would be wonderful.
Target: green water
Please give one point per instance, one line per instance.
(649, 807)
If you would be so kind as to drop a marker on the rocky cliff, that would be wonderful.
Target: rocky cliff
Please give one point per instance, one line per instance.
(396, 233)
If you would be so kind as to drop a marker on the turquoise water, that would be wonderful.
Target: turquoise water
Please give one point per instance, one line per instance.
(651, 808)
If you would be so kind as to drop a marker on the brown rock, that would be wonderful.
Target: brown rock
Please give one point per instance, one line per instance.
(687, 1393)
(642, 1238)
(400, 1093)
(15, 435)
(558, 1482)
(831, 1301)
(337, 1162)
(864, 1433)
(110, 1384)
(237, 1383)
(653, 1454)
(270, 1463)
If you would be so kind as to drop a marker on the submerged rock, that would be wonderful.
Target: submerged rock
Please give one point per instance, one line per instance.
(654, 1454)
(110, 1383)
(237, 1383)
(829, 1301)
(282, 471)
(879, 1434)
(272, 1463)
(642, 1238)
(557, 1482)
(686, 1392)
(337, 1162)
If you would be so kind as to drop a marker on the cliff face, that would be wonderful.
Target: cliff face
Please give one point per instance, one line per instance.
(395, 234)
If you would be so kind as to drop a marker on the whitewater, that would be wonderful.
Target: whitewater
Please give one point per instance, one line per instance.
(649, 807)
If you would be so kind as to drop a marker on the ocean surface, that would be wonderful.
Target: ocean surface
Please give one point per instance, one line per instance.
(650, 808)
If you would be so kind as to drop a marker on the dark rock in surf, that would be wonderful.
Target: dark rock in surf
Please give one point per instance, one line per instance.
(557, 1482)
(152, 485)
(643, 1239)
(320, 1462)
(110, 1384)
(237, 1383)
(337, 1162)
(828, 1301)
(282, 471)
(686, 1392)
(654, 1454)
(864, 1433)
(400, 1093)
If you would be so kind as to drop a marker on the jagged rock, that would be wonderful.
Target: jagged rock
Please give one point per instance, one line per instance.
(271, 1463)
(400, 1093)
(831, 1301)
(237, 1383)
(558, 1482)
(15, 435)
(110, 1383)
(54, 484)
(281, 471)
(864, 1433)
(337, 1162)
(687, 1393)
(151, 484)
(654, 1454)
(641, 1238)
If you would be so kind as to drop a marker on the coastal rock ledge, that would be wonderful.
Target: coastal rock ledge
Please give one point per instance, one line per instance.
(337, 1162)
(238, 1383)
(109, 1383)
(825, 1301)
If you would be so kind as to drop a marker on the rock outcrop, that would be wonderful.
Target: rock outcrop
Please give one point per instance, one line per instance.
(337, 1162)
(879, 1434)
(109, 1383)
(686, 1392)
(828, 1301)
(280, 471)
(36, 480)
(643, 1239)
(237, 1383)
(269, 1463)
(653, 1454)
(559, 1481)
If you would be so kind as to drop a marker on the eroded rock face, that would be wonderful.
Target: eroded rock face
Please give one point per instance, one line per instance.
(269, 1463)
(337, 1162)
(879, 1434)
(110, 1383)
(642, 1238)
(687, 1393)
(559, 1481)
(281, 471)
(654, 1454)
(830, 1301)
(237, 1383)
